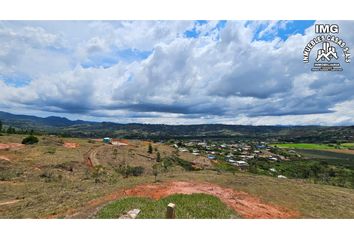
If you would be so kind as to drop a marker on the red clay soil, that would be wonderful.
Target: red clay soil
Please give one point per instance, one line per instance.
(244, 204)
(71, 145)
(4, 146)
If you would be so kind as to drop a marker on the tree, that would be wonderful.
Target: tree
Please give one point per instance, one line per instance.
(30, 140)
(155, 171)
(158, 157)
(150, 148)
(0, 125)
(10, 130)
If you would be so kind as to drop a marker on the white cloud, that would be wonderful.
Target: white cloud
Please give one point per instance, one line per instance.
(222, 76)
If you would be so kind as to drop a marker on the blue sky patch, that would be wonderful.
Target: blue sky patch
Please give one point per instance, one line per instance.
(193, 33)
(278, 30)
(16, 80)
(107, 60)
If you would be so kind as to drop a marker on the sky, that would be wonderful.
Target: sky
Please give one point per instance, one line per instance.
(172, 72)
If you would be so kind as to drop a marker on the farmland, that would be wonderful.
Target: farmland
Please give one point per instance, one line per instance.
(314, 146)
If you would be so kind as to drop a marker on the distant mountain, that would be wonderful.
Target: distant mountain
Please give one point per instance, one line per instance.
(25, 121)
(79, 128)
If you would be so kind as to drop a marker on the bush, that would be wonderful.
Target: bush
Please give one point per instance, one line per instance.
(158, 157)
(135, 171)
(30, 140)
(149, 149)
(127, 171)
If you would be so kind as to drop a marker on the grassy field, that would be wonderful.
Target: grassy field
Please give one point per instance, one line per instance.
(47, 179)
(314, 146)
(194, 206)
(304, 146)
(333, 158)
(348, 144)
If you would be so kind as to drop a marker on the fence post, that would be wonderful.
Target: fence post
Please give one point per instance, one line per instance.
(170, 213)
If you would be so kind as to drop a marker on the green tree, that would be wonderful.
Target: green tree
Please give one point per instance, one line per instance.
(30, 140)
(149, 148)
(11, 130)
(0, 126)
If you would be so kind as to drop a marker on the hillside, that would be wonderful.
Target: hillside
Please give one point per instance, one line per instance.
(79, 128)
(75, 177)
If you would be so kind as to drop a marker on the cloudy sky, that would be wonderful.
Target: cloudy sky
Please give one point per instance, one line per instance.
(172, 72)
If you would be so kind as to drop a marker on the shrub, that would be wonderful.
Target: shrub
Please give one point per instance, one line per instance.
(127, 171)
(135, 171)
(30, 140)
(155, 171)
(149, 148)
(158, 157)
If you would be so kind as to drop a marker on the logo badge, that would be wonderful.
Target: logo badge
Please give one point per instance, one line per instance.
(330, 49)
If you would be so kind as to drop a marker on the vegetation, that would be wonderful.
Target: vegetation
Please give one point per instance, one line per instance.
(158, 157)
(307, 146)
(311, 170)
(186, 165)
(127, 171)
(332, 158)
(155, 171)
(11, 130)
(222, 166)
(319, 183)
(67, 128)
(149, 148)
(30, 140)
(187, 207)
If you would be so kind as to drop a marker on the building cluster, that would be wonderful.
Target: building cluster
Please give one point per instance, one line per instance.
(236, 153)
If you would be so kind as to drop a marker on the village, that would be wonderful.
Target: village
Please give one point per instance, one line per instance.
(239, 154)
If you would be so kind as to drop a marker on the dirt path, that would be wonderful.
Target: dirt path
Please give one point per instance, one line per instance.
(90, 157)
(5, 158)
(9, 202)
(4, 146)
(246, 205)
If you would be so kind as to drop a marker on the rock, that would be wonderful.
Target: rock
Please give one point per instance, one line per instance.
(132, 214)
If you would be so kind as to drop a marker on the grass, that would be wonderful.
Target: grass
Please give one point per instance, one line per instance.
(348, 145)
(333, 158)
(194, 206)
(314, 146)
(311, 200)
(304, 146)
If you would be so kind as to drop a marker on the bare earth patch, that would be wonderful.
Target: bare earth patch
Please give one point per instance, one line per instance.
(9, 202)
(6, 146)
(243, 203)
(5, 158)
(71, 145)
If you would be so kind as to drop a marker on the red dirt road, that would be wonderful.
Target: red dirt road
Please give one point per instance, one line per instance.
(244, 204)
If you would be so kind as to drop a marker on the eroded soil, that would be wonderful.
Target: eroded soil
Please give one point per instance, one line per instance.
(243, 203)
